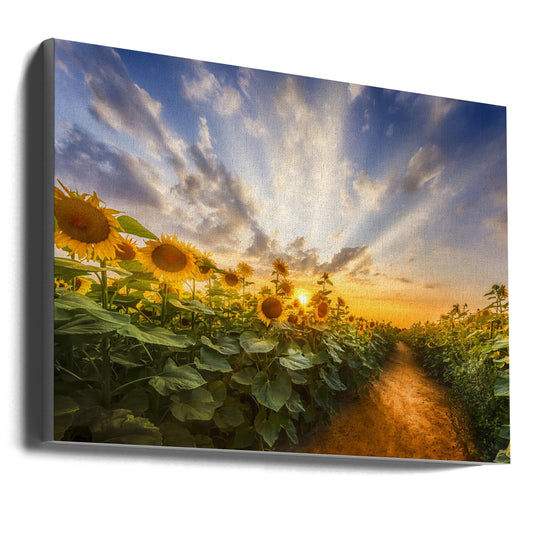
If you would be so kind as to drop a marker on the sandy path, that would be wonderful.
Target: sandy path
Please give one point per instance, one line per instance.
(405, 415)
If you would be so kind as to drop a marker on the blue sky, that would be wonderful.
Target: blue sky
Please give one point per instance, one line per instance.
(401, 197)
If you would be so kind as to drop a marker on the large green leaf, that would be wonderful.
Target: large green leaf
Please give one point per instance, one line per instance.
(332, 379)
(212, 361)
(294, 403)
(157, 335)
(295, 361)
(67, 269)
(130, 225)
(229, 416)
(195, 405)
(85, 325)
(252, 343)
(176, 434)
(223, 345)
(501, 386)
(272, 393)
(192, 306)
(268, 426)
(122, 427)
(175, 378)
(245, 376)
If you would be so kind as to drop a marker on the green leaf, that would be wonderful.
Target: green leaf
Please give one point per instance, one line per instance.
(120, 426)
(229, 415)
(192, 306)
(129, 359)
(157, 335)
(212, 361)
(272, 393)
(176, 434)
(295, 362)
(244, 437)
(245, 376)
(85, 325)
(130, 225)
(224, 345)
(63, 405)
(294, 403)
(297, 378)
(218, 391)
(136, 400)
(252, 343)
(332, 379)
(175, 378)
(195, 405)
(67, 269)
(501, 385)
(131, 265)
(268, 426)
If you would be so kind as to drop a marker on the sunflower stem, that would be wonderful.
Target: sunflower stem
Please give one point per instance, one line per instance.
(106, 373)
(164, 292)
(103, 285)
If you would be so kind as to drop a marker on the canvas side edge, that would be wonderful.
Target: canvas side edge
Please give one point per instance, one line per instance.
(48, 237)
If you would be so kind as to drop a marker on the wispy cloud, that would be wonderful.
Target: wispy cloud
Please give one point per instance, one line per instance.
(425, 165)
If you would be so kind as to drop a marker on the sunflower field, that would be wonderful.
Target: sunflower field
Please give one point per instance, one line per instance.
(156, 344)
(469, 352)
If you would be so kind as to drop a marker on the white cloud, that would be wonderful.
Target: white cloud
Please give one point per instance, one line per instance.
(355, 90)
(255, 127)
(370, 191)
(206, 88)
(426, 164)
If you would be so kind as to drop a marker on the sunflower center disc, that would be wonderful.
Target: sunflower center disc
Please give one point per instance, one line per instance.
(271, 308)
(232, 280)
(81, 221)
(125, 252)
(169, 258)
(322, 309)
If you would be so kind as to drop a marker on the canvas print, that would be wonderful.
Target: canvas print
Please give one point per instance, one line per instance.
(260, 261)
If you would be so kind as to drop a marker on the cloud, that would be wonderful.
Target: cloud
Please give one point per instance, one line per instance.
(370, 191)
(255, 127)
(206, 88)
(112, 173)
(355, 90)
(439, 110)
(425, 165)
(497, 225)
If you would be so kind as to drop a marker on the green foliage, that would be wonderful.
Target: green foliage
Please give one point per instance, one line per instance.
(469, 352)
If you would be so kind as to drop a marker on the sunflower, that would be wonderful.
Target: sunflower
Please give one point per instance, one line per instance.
(169, 259)
(292, 319)
(286, 288)
(230, 279)
(322, 311)
(372, 324)
(341, 302)
(351, 319)
(361, 328)
(244, 270)
(270, 308)
(126, 250)
(88, 230)
(280, 267)
(82, 285)
(206, 265)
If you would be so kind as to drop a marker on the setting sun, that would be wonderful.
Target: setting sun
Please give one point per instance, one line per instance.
(303, 298)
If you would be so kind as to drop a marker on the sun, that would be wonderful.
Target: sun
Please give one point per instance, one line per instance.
(302, 298)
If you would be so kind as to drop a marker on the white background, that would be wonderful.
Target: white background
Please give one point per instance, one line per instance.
(477, 51)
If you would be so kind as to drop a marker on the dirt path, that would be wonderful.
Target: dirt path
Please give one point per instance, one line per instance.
(404, 415)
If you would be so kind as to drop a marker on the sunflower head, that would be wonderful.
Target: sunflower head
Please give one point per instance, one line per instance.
(230, 279)
(82, 285)
(126, 250)
(280, 267)
(341, 302)
(170, 260)
(87, 229)
(351, 319)
(244, 270)
(206, 267)
(286, 288)
(270, 308)
(322, 312)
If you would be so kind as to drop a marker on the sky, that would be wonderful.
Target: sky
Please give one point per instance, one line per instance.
(400, 197)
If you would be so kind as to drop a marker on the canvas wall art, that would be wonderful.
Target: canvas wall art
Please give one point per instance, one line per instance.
(266, 262)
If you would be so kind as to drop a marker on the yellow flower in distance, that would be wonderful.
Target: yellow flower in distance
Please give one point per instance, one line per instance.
(170, 260)
(281, 268)
(82, 285)
(245, 270)
(87, 229)
(286, 288)
(270, 308)
(322, 311)
(230, 279)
